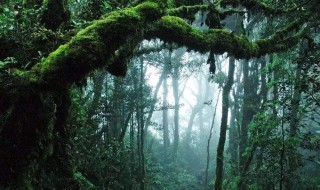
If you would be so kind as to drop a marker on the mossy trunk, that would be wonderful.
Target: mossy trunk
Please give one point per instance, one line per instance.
(27, 116)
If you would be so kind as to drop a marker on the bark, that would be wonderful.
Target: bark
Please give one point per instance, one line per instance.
(223, 127)
(175, 88)
(246, 110)
(234, 133)
(152, 107)
(125, 126)
(165, 125)
(132, 163)
(60, 162)
(256, 101)
(293, 126)
(205, 184)
(140, 116)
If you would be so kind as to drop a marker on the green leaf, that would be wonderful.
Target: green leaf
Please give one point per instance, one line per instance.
(106, 5)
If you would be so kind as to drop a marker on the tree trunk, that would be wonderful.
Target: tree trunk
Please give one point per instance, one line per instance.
(152, 107)
(165, 125)
(293, 126)
(140, 117)
(205, 184)
(223, 127)
(246, 116)
(175, 88)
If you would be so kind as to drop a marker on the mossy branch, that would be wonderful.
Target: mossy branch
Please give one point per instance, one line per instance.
(97, 45)
(214, 15)
(257, 6)
(175, 30)
(94, 46)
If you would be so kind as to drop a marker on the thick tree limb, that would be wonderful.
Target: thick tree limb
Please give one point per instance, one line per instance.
(175, 30)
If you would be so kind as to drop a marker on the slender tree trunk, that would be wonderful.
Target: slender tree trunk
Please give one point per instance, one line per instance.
(141, 126)
(293, 127)
(132, 154)
(125, 126)
(175, 88)
(234, 125)
(165, 125)
(223, 127)
(205, 184)
(116, 124)
(156, 91)
(233, 136)
(246, 116)
(251, 104)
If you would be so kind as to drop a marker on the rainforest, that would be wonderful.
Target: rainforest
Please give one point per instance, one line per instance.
(160, 94)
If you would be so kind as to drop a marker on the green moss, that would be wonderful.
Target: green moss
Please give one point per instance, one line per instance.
(150, 10)
(27, 76)
(175, 30)
(186, 12)
(26, 117)
(97, 42)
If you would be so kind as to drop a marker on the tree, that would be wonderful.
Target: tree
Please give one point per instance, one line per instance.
(224, 122)
(34, 102)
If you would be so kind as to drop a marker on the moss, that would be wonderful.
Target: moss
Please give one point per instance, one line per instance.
(175, 30)
(97, 42)
(32, 109)
(29, 76)
(26, 117)
(150, 10)
(187, 12)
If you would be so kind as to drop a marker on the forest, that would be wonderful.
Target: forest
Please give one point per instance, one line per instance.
(160, 94)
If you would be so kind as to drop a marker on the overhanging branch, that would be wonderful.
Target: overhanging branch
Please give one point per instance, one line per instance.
(175, 30)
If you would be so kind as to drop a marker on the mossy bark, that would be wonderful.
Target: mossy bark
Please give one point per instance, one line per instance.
(26, 124)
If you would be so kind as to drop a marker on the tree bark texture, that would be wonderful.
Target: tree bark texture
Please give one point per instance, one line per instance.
(223, 127)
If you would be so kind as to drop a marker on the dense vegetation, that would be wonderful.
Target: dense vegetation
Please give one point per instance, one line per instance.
(159, 94)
